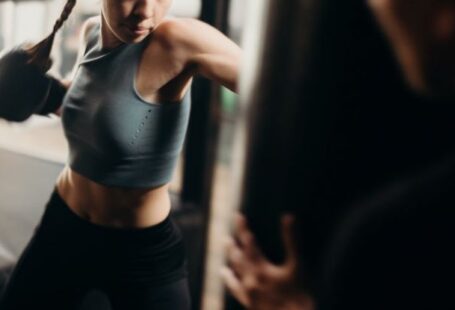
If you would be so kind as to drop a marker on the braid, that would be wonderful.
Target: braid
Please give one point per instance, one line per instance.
(65, 14)
(40, 53)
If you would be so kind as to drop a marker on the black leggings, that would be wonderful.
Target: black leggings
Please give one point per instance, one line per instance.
(69, 256)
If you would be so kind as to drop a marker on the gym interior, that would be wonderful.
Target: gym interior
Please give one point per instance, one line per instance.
(323, 121)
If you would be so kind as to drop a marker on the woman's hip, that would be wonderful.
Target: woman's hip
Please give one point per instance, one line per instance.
(130, 255)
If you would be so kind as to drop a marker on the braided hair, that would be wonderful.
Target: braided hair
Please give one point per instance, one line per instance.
(40, 53)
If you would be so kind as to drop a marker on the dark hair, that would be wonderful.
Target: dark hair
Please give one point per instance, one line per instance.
(40, 53)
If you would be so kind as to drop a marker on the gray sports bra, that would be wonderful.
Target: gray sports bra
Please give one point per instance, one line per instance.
(115, 137)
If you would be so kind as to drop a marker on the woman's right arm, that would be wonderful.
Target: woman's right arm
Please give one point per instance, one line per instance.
(85, 30)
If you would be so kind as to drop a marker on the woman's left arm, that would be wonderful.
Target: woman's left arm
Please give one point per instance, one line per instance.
(208, 51)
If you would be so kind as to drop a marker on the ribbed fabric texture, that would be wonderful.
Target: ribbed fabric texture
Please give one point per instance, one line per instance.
(115, 137)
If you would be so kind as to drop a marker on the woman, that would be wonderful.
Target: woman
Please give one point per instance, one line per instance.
(107, 224)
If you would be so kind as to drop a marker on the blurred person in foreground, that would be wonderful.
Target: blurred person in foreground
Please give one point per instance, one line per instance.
(394, 251)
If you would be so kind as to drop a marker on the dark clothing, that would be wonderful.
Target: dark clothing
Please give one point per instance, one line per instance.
(69, 256)
(395, 251)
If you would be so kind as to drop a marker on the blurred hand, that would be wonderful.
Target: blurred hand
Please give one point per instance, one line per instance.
(256, 282)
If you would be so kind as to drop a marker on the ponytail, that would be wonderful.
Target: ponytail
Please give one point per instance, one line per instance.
(40, 53)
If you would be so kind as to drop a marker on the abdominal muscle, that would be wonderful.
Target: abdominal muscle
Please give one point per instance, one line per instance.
(113, 206)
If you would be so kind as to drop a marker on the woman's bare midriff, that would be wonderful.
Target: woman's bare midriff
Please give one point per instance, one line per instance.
(113, 206)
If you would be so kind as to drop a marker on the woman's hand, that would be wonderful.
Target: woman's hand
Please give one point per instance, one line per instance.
(256, 282)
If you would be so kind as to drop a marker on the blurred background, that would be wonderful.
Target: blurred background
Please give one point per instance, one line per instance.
(33, 153)
(324, 122)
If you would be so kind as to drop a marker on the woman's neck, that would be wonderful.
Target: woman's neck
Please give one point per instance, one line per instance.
(108, 39)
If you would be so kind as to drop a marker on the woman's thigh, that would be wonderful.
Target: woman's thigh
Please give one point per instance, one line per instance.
(54, 270)
(146, 269)
(43, 278)
(175, 296)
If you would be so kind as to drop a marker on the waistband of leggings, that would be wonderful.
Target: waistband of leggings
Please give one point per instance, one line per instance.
(57, 207)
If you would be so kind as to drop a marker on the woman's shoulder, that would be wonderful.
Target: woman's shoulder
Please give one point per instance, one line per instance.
(180, 31)
(88, 25)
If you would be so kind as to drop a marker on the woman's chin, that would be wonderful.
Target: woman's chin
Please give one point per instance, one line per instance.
(135, 36)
